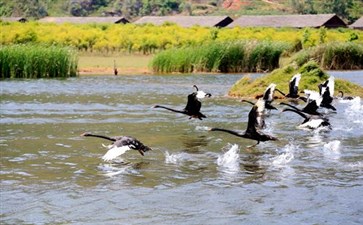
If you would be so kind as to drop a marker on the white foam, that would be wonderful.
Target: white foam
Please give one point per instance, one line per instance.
(110, 170)
(176, 157)
(202, 128)
(332, 149)
(355, 111)
(229, 161)
(285, 157)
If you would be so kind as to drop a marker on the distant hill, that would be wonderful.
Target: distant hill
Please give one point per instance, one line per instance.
(349, 10)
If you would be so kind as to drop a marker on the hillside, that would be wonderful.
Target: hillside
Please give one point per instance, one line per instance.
(349, 10)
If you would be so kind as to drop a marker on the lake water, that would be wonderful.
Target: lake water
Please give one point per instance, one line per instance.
(52, 175)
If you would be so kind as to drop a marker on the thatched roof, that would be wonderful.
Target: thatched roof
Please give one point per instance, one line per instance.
(84, 20)
(14, 19)
(358, 24)
(296, 21)
(187, 21)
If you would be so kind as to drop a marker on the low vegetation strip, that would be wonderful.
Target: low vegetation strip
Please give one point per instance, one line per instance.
(224, 57)
(37, 61)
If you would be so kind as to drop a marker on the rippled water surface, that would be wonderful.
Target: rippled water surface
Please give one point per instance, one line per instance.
(52, 175)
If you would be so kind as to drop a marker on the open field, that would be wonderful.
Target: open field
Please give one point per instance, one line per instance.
(126, 64)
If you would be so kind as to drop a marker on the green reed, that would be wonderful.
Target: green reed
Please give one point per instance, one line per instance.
(333, 56)
(225, 57)
(37, 61)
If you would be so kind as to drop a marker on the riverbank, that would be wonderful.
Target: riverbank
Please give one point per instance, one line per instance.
(130, 64)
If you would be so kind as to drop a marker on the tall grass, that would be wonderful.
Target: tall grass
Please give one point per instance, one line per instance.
(333, 56)
(225, 57)
(37, 61)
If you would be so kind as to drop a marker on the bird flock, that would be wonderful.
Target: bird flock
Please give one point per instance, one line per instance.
(312, 118)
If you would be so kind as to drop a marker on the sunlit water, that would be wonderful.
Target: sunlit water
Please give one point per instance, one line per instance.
(51, 175)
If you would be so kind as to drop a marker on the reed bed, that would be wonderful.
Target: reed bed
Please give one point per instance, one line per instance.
(37, 61)
(333, 56)
(224, 57)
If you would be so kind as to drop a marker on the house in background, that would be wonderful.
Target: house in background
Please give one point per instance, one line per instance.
(14, 19)
(187, 21)
(358, 24)
(83, 20)
(294, 21)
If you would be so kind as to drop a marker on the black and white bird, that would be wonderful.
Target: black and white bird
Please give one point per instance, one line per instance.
(267, 97)
(313, 101)
(293, 87)
(260, 113)
(311, 121)
(251, 132)
(326, 90)
(119, 145)
(192, 109)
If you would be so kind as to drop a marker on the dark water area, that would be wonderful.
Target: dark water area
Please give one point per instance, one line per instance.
(52, 175)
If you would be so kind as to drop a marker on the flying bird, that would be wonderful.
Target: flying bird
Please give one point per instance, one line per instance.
(311, 121)
(267, 97)
(251, 132)
(326, 90)
(260, 113)
(293, 87)
(192, 109)
(119, 145)
(313, 101)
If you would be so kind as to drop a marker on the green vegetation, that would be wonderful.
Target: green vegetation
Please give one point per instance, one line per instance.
(36, 61)
(311, 76)
(333, 56)
(149, 39)
(225, 57)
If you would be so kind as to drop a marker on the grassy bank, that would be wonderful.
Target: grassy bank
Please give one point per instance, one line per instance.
(224, 57)
(312, 75)
(37, 61)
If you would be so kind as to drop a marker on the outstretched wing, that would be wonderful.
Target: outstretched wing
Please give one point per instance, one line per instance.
(114, 152)
(268, 95)
(294, 85)
(256, 117)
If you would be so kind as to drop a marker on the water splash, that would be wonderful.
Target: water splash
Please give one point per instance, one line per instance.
(354, 111)
(109, 170)
(285, 157)
(229, 161)
(202, 128)
(332, 149)
(176, 158)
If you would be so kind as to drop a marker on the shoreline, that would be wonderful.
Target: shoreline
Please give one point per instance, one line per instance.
(89, 71)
